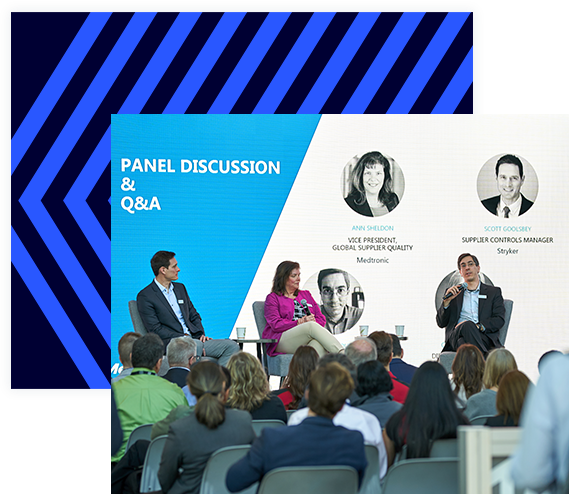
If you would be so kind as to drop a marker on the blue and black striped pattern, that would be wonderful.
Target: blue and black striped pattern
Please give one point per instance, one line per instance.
(71, 71)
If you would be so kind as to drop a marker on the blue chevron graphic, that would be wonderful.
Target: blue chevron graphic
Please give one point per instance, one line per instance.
(293, 63)
(383, 63)
(338, 63)
(204, 63)
(56, 316)
(458, 86)
(249, 63)
(428, 63)
(55, 86)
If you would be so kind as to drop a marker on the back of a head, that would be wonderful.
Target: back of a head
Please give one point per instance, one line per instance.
(302, 364)
(206, 382)
(397, 350)
(329, 387)
(249, 384)
(468, 369)
(499, 362)
(543, 358)
(147, 350)
(180, 350)
(384, 346)
(373, 379)
(342, 359)
(125, 347)
(361, 350)
(511, 394)
(430, 411)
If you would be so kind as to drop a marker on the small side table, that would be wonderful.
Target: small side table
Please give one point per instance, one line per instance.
(261, 349)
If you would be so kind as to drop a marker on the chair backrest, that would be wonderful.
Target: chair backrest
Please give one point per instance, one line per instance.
(149, 481)
(259, 313)
(135, 317)
(480, 420)
(508, 306)
(370, 483)
(289, 413)
(423, 476)
(213, 480)
(141, 432)
(259, 425)
(337, 479)
(444, 448)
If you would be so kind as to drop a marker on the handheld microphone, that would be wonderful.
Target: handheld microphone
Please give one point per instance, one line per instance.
(305, 307)
(460, 289)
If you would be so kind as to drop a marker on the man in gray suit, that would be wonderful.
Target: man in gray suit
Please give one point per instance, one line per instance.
(166, 309)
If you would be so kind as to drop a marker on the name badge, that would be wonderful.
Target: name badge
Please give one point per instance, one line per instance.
(180, 301)
(482, 296)
(309, 305)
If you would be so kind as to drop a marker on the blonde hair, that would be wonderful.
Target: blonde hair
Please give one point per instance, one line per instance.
(499, 362)
(249, 384)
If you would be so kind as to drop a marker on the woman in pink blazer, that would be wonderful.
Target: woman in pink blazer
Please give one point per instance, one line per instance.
(293, 317)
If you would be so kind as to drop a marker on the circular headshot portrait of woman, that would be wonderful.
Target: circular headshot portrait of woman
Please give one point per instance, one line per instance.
(372, 184)
(507, 185)
(341, 298)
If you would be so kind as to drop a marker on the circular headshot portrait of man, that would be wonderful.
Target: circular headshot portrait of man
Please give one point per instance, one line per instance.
(452, 279)
(507, 185)
(341, 298)
(372, 184)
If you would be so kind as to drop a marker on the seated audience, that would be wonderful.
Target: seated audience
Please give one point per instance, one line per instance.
(351, 417)
(510, 399)
(192, 440)
(374, 386)
(542, 458)
(429, 413)
(545, 356)
(143, 397)
(361, 350)
(125, 354)
(385, 354)
(250, 389)
(499, 362)
(467, 372)
(400, 369)
(181, 353)
(316, 441)
(303, 362)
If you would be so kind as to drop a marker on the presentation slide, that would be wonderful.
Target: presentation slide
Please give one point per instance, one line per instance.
(391, 201)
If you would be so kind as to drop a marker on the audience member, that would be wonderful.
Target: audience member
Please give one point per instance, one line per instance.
(429, 413)
(125, 354)
(143, 397)
(400, 369)
(303, 362)
(316, 441)
(250, 389)
(361, 350)
(181, 353)
(192, 440)
(510, 399)
(374, 386)
(542, 458)
(350, 417)
(385, 354)
(499, 362)
(545, 356)
(467, 372)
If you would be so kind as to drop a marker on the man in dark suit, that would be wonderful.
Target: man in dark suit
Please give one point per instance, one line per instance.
(315, 441)
(181, 353)
(511, 203)
(402, 370)
(165, 309)
(471, 312)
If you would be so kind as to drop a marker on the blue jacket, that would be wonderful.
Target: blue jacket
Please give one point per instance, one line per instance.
(315, 441)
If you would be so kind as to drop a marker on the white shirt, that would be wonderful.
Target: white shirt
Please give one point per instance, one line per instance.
(514, 208)
(543, 454)
(356, 420)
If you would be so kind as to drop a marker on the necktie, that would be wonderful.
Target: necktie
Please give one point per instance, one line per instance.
(506, 212)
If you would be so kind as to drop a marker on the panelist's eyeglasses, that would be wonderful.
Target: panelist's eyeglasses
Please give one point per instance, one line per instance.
(341, 291)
